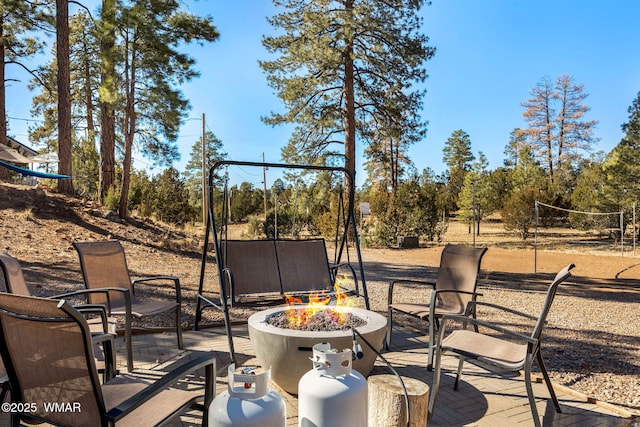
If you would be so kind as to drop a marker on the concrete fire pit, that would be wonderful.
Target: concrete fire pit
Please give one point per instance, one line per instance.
(287, 351)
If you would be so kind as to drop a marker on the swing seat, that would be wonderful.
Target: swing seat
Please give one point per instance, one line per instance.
(260, 272)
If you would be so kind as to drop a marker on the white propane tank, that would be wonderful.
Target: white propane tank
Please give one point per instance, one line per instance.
(332, 394)
(248, 402)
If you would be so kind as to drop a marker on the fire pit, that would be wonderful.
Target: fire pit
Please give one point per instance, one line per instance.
(287, 351)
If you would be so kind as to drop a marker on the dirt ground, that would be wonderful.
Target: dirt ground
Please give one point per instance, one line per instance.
(525, 261)
(594, 333)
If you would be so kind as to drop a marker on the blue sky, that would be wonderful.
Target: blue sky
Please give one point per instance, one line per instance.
(490, 53)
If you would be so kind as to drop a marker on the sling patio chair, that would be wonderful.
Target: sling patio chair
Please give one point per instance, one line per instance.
(505, 349)
(104, 267)
(103, 328)
(16, 284)
(454, 287)
(47, 350)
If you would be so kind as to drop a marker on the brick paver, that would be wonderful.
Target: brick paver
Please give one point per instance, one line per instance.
(483, 398)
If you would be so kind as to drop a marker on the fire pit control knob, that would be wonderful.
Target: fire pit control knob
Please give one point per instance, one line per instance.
(248, 401)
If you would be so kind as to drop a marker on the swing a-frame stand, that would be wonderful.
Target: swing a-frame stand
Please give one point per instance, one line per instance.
(262, 272)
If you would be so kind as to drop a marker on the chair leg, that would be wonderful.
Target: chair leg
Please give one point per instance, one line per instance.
(6, 389)
(210, 390)
(547, 381)
(179, 326)
(459, 373)
(435, 385)
(432, 339)
(475, 325)
(109, 350)
(387, 343)
(127, 341)
(532, 400)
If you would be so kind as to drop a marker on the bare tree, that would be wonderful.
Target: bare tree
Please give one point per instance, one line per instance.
(557, 132)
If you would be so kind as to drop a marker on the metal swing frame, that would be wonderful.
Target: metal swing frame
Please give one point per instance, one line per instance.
(341, 240)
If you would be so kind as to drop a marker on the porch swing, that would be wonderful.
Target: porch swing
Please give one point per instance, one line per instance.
(270, 270)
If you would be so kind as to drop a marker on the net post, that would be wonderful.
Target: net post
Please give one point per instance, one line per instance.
(535, 241)
(621, 234)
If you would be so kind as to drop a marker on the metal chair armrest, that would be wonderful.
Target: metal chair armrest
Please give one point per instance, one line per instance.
(503, 308)
(466, 320)
(231, 294)
(135, 401)
(98, 309)
(174, 279)
(127, 297)
(395, 282)
(86, 293)
(107, 341)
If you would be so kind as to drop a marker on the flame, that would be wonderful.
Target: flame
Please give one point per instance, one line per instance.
(298, 314)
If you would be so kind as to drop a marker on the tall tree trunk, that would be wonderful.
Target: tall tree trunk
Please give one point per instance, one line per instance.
(395, 159)
(107, 148)
(88, 96)
(3, 93)
(350, 110)
(123, 205)
(549, 142)
(107, 114)
(4, 173)
(129, 129)
(64, 96)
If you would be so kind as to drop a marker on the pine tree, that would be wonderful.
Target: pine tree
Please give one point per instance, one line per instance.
(590, 194)
(153, 68)
(526, 172)
(517, 142)
(457, 156)
(387, 161)
(18, 20)
(622, 165)
(84, 79)
(214, 152)
(475, 201)
(172, 198)
(528, 186)
(342, 66)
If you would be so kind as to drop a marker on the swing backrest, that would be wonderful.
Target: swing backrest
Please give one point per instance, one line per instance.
(252, 266)
(275, 267)
(304, 265)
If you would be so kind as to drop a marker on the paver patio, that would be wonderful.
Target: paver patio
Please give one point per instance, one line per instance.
(483, 398)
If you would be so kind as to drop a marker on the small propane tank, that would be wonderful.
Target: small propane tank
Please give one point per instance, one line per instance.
(248, 402)
(332, 394)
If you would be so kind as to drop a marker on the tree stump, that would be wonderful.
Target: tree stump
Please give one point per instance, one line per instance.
(387, 402)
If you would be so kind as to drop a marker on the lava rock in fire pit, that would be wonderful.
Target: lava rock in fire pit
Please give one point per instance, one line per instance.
(323, 320)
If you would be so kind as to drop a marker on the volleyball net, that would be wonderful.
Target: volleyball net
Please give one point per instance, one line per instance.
(558, 228)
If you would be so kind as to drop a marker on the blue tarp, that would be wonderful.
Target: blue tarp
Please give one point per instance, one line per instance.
(29, 172)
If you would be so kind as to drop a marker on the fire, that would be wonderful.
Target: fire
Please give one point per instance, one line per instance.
(317, 302)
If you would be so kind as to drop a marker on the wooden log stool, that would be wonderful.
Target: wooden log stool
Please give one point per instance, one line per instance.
(387, 402)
